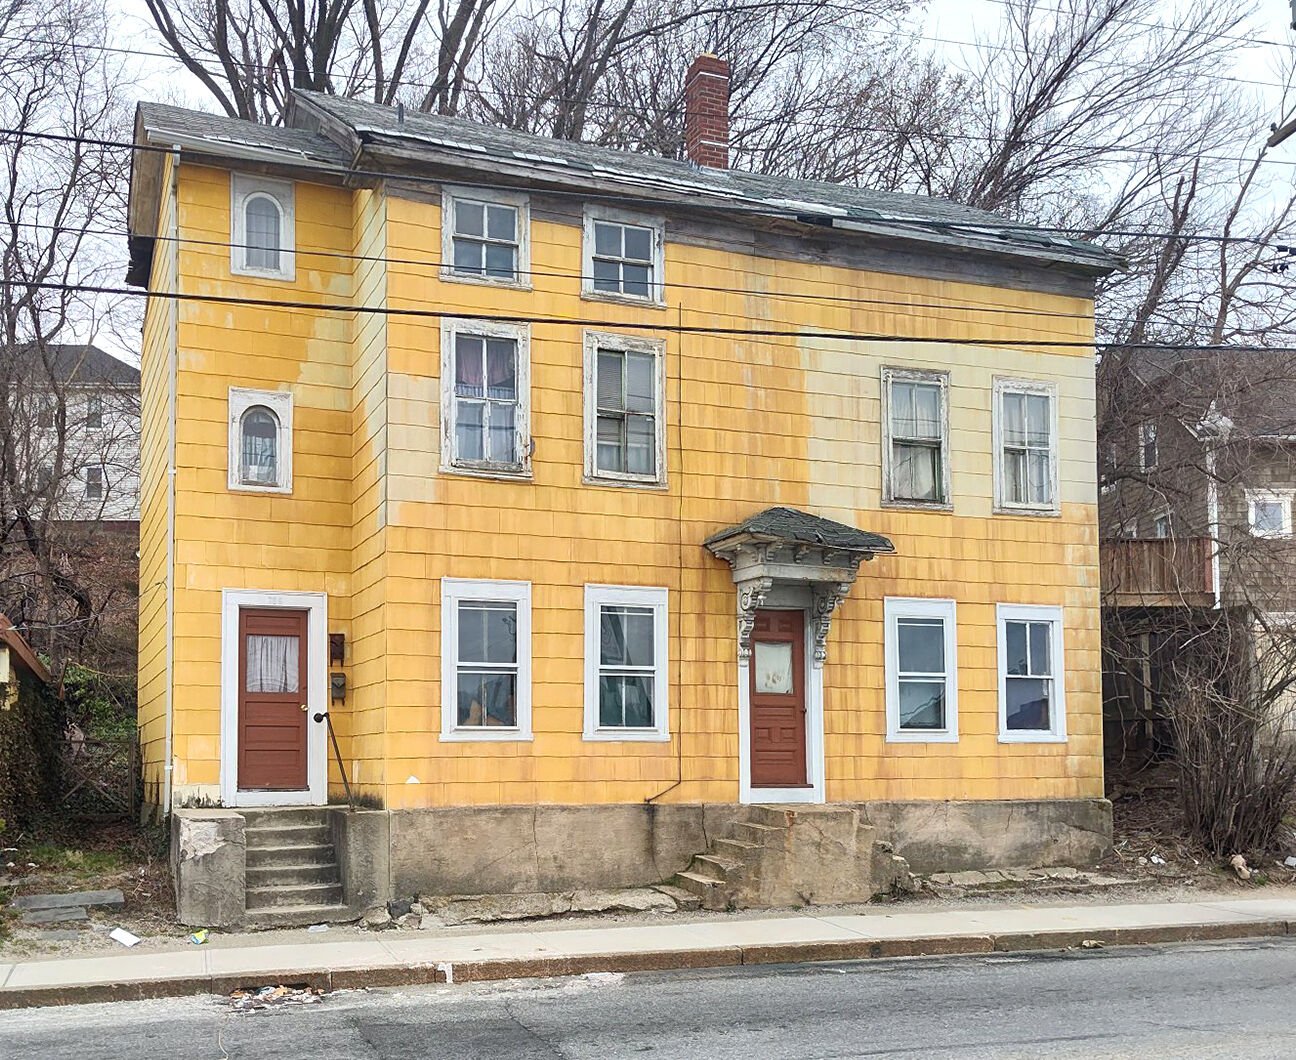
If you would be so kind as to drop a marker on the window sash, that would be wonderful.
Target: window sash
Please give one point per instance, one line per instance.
(1027, 447)
(915, 418)
(94, 483)
(913, 678)
(1029, 678)
(643, 674)
(485, 416)
(626, 412)
(489, 713)
(94, 411)
(262, 232)
(627, 270)
(477, 245)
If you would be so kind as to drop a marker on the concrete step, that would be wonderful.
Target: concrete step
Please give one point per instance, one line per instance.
(282, 816)
(292, 875)
(715, 866)
(306, 854)
(292, 835)
(299, 916)
(304, 894)
(685, 901)
(758, 834)
(712, 893)
(781, 816)
(734, 849)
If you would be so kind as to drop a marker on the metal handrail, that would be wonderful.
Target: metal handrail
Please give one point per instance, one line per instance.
(337, 754)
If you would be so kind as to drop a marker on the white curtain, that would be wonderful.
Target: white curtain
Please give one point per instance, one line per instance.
(272, 663)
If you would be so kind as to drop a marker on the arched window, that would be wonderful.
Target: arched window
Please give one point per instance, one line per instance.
(259, 447)
(263, 224)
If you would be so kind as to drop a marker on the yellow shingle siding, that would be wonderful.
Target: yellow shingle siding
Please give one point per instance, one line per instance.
(751, 422)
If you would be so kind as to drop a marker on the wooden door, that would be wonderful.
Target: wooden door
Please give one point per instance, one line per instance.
(273, 707)
(778, 700)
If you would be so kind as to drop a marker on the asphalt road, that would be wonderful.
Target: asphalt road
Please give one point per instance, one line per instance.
(1226, 1000)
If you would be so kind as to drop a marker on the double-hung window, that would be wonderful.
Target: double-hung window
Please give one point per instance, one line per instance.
(262, 232)
(1025, 439)
(485, 660)
(485, 237)
(623, 256)
(1148, 455)
(260, 440)
(485, 373)
(1032, 695)
(1269, 512)
(625, 663)
(625, 433)
(94, 411)
(921, 658)
(916, 467)
(94, 488)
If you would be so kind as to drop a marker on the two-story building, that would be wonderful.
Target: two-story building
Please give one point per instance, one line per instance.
(595, 499)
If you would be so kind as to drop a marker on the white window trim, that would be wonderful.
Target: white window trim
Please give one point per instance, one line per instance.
(941, 379)
(1025, 386)
(521, 203)
(1281, 497)
(1057, 714)
(280, 402)
(895, 608)
(594, 213)
(633, 596)
(519, 333)
(594, 341)
(1148, 434)
(1168, 516)
(453, 591)
(243, 187)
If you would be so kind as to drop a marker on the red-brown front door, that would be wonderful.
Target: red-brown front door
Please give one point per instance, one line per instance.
(778, 705)
(272, 700)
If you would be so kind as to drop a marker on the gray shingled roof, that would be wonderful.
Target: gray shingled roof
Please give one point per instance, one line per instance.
(165, 123)
(85, 365)
(802, 528)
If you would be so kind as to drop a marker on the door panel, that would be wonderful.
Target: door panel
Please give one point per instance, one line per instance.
(778, 700)
(273, 715)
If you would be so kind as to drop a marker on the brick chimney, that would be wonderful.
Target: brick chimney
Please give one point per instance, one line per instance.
(706, 112)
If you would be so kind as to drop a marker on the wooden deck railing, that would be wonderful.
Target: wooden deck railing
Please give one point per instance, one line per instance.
(1158, 572)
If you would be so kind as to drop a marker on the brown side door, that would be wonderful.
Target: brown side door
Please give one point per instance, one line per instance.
(778, 706)
(273, 714)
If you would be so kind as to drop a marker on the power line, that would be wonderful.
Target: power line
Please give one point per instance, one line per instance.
(624, 325)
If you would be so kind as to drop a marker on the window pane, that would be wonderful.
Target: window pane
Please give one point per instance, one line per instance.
(501, 369)
(610, 449)
(467, 256)
(641, 445)
(611, 364)
(636, 280)
(1015, 648)
(1039, 634)
(922, 704)
(487, 699)
(1041, 484)
(773, 668)
(469, 422)
(1038, 427)
(503, 434)
(626, 636)
(261, 218)
(502, 223)
(468, 218)
(921, 645)
(1014, 484)
(607, 239)
(468, 366)
(1014, 419)
(626, 700)
(902, 410)
(487, 632)
(272, 663)
(500, 260)
(260, 447)
(1027, 704)
(94, 411)
(641, 382)
(638, 243)
(915, 472)
(919, 411)
(1268, 518)
(607, 275)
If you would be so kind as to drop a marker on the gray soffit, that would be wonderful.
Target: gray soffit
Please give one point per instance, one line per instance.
(787, 526)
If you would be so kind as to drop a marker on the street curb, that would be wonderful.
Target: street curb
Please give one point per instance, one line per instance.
(494, 969)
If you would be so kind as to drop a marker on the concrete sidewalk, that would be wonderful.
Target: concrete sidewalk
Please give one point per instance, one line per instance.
(394, 960)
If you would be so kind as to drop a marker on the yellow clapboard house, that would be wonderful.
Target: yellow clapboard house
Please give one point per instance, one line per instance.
(586, 494)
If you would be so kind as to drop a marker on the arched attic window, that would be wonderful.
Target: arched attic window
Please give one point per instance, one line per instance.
(263, 225)
(259, 447)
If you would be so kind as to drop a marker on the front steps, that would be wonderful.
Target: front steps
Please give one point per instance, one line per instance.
(783, 856)
(292, 873)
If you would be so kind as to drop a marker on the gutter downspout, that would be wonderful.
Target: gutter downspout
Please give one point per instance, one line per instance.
(173, 353)
(1212, 524)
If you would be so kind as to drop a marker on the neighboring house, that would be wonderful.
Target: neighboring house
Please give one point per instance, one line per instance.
(569, 484)
(1196, 515)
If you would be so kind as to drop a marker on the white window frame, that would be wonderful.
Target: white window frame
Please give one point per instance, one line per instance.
(279, 402)
(1148, 440)
(1025, 386)
(102, 483)
(1056, 733)
(894, 609)
(519, 333)
(1280, 497)
(453, 592)
(593, 213)
(594, 341)
(939, 379)
(243, 187)
(596, 596)
(521, 203)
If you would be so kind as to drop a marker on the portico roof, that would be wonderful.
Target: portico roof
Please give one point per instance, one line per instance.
(787, 526)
